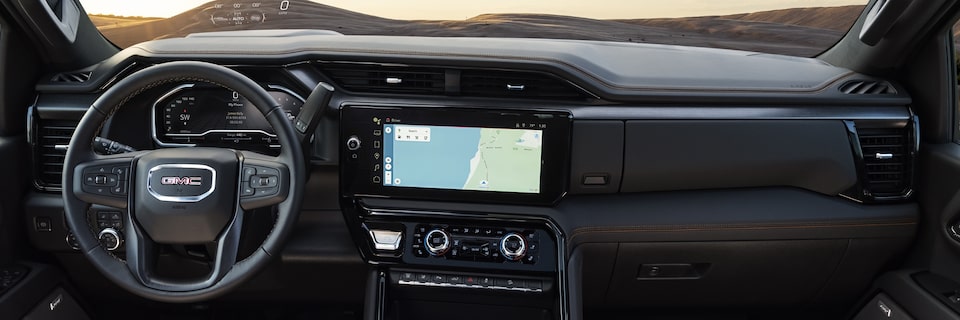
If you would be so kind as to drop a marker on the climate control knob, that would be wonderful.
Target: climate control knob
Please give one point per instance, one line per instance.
(513, 246)
(437, 242)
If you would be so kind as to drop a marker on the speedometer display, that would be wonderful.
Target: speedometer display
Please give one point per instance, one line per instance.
(191, 115)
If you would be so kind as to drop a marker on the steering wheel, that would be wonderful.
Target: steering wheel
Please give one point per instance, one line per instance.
(182, 195)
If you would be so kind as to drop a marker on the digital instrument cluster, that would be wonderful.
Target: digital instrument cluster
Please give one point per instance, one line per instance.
(202, 115)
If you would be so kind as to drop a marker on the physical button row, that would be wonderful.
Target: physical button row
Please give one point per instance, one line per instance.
(258, 181)
(109, 219)
(108, 180)
(469, 282)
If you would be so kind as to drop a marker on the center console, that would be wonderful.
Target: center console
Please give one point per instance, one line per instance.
(472, 263)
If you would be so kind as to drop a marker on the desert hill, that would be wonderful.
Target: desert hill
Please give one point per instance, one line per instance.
(832, 18)
(803, 32)
(110, 21)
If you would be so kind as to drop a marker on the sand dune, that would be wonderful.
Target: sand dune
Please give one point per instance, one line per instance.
(802, 32)
(832, 18)
(110, 21)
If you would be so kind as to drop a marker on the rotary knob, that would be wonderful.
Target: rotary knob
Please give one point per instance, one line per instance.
(353, 143)
(437, 242)
(110, 239)
(513, 246)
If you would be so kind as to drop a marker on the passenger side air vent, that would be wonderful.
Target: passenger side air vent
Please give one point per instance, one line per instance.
(386, 79)
(72, 77)
(867, 87)
(514, 84)
(52, 137)
(886, 156)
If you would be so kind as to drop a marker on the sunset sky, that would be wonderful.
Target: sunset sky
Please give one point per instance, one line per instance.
(455, 10)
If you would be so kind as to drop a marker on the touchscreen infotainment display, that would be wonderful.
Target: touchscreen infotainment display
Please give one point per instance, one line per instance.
(462, 158)
(454, 154)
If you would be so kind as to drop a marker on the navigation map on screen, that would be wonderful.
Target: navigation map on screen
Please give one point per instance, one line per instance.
(462, 158)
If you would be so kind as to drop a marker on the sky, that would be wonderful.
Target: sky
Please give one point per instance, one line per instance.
(456, 10)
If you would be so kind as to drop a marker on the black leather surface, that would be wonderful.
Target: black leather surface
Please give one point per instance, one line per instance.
(744, 214)
(661, 155)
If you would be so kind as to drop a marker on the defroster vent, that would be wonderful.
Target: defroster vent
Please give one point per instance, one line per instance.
(72, 77)
(867, 87)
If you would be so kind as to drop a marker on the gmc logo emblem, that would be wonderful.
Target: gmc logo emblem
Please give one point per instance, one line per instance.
(182, 181)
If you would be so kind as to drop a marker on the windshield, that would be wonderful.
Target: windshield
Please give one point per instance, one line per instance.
(791, 27)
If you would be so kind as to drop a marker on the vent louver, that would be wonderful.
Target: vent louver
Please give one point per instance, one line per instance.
(452, 81)
(51, 139)
(495, 83)
(867, 87)
(72, 77)
(387, 79)
(886, 161)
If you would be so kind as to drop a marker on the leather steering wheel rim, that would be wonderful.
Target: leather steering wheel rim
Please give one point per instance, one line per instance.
(81, 151)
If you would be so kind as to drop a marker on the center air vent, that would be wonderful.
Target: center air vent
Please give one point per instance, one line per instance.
(52, 137)
(495, 83)
(387, 79)
(452, 81)
(867, 87)
(886, 162)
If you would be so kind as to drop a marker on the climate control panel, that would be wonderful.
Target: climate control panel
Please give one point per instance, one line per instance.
(476, 243)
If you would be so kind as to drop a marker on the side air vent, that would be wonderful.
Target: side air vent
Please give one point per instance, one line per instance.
(514, 84)
(72, 77)
(52, 137)
(885, 161)
(867, 87)
(386, 79)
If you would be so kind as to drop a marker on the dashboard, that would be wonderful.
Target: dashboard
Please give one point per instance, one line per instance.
(569, 174)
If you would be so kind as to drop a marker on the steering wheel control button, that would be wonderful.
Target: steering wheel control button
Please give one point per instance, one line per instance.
(261, 185)
(386, 240)
(248, 173)
(110, 239)
(353, 143)
(258, 181)
(110, 219)
(120, 189)
(264, 181)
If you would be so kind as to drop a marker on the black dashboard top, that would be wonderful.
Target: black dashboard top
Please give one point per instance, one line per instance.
(615, 72)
